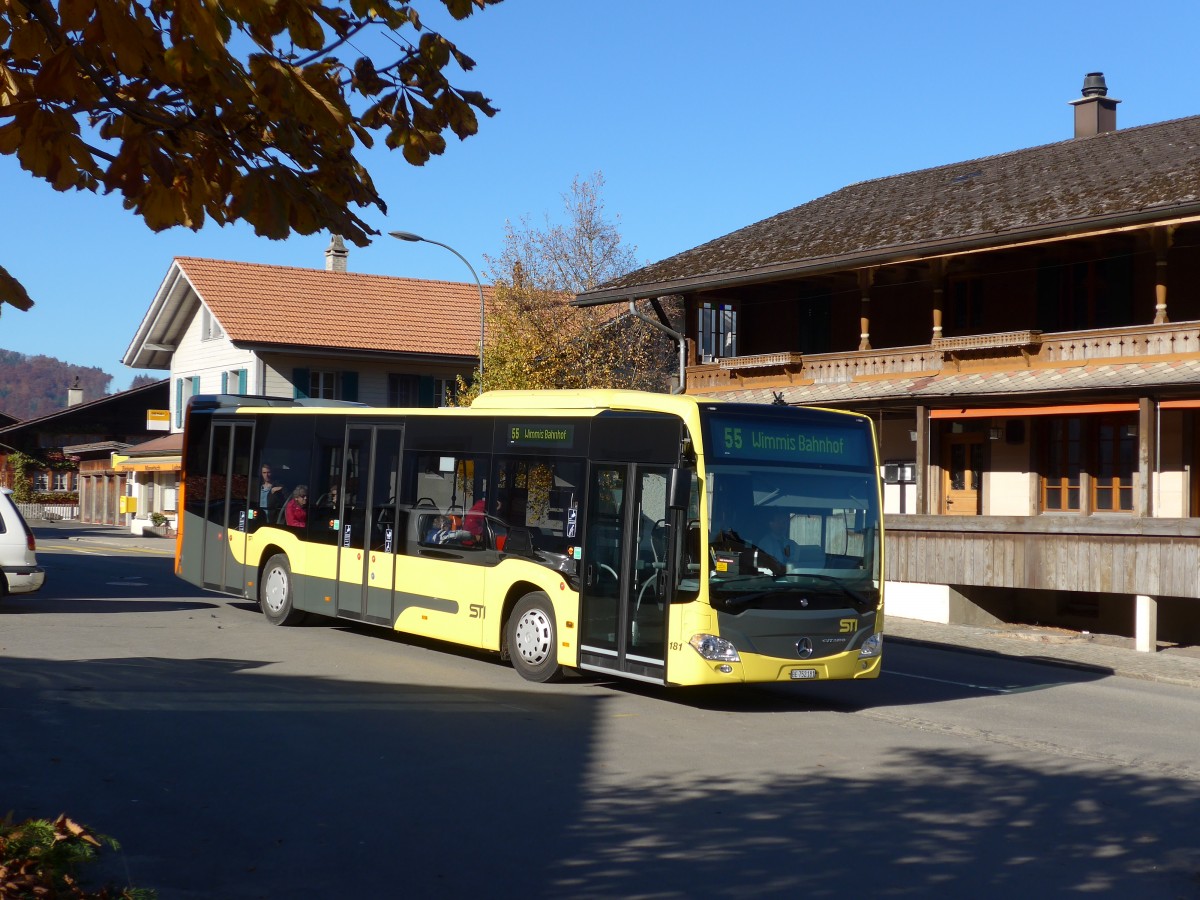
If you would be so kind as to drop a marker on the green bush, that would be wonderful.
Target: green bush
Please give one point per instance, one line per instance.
(39, 858)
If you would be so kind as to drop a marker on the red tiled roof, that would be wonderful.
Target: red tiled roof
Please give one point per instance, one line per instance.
(290, 306)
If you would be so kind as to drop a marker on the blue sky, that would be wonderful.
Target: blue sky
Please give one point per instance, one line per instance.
(703, 116)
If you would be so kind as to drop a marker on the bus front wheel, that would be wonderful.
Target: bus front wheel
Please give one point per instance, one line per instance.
(275, 592)
(533, 638)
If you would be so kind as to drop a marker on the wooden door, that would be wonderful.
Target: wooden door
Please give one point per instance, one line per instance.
(962, 474)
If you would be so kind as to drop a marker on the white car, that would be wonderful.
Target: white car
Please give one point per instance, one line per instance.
(19, 571)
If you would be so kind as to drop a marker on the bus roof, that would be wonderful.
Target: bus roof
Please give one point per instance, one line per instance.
(680, 404)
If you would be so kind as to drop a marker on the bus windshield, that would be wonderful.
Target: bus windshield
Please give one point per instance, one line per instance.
(793, 513)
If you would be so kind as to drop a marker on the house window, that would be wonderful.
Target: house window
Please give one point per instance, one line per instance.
(1094, 294)
(322, 385)
(717, 331)
(41, 481)
(61, 481)
(1089, 458)
(444, 391)
(966, 307)
(402, 390)
(210, 328)
(233, 381)
(1116, 462)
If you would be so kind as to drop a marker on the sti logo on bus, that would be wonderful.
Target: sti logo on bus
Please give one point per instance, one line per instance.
(541, 435)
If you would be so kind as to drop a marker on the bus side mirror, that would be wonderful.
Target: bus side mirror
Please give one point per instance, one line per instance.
(679, 488)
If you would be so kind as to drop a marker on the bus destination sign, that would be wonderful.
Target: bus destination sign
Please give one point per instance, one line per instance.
(775, 441)
(543, 434)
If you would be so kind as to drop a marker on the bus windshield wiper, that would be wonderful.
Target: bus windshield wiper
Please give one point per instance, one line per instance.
(859, 599)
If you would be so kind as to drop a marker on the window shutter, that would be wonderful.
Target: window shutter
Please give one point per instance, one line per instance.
(425, 392)
(178, 402)
(195, 385)
(349, 382)
(300, 383)
(241, 381)
(224, 382)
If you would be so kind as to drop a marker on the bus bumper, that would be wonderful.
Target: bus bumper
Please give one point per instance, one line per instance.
(757, 669)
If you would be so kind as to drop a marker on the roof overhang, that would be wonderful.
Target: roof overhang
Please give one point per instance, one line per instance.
(164, 324)
(999, 240)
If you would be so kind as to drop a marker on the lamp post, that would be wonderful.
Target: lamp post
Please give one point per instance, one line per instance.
(416, 238)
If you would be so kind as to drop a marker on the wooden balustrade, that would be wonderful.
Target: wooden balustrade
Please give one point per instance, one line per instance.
(1014, 348)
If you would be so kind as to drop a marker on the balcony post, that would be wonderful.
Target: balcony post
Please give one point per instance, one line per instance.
(937, 272)
(922, 464)
(1162, 238)
(866, 277)
(1143, 503)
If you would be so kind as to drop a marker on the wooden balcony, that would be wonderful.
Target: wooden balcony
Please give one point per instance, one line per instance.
(1109, 555)
(1002, 350)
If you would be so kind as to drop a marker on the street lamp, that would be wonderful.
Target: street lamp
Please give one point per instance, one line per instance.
(416, 238)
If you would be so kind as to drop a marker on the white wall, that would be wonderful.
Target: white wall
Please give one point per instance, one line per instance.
(1008, 481)
(207, 360)
(1170, 482)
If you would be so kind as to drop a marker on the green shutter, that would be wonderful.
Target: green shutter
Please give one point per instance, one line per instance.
(178, 402)
(195, 385)
(224, 382)
(300, 383)
(425, 392)
(241, 381)
(349, 382)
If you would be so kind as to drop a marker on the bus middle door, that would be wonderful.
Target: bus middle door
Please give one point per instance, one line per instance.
(624, 608)
(370, 531)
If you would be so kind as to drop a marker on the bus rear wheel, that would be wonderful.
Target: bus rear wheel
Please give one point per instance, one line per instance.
(275, 592)
(533, 638)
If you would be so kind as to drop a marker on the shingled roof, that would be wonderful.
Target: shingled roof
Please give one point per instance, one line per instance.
(264, 306)
(1115, 178)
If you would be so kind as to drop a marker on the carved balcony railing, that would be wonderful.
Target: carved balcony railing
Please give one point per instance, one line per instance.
(1010, 349)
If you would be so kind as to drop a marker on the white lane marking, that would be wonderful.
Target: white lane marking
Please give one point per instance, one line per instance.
(1042, 685)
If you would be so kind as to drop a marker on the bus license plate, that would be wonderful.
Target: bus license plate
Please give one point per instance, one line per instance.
(798, 674)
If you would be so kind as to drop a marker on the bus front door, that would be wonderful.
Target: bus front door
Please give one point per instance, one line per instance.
(624, 600)
(225, 518)
(370, 530)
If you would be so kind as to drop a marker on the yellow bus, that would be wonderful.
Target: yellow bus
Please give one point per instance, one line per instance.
(663, 538)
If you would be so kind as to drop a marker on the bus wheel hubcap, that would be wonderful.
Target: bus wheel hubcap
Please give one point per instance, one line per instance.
(533, 637)
(276, 590)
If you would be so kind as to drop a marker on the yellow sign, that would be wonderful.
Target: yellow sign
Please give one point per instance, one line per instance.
(158, 420)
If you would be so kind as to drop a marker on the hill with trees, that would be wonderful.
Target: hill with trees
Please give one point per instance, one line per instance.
(35, 386)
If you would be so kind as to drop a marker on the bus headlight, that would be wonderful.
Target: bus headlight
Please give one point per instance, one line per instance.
(714, 648)
(872, 646)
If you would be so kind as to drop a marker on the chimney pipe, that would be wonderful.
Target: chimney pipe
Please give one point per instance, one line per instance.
(335, 254)
(1095, 111)
(74, 393)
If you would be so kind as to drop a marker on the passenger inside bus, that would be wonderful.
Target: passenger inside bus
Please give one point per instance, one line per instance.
(441, 531)
(295, 511)
(776, 542)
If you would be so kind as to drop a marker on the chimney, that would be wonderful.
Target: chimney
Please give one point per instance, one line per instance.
(1095, 111)
(335, 254)
(74, 393)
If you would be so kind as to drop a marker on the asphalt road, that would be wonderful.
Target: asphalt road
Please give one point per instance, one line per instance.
(237, 760)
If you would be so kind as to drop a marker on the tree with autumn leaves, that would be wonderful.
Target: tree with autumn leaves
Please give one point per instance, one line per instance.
(225, 110)
(536, 339)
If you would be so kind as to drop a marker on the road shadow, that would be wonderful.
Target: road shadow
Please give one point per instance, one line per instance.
(221, 779)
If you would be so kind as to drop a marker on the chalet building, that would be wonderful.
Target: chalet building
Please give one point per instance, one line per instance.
(1025, 331)
(75, 446)
(246, 328)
